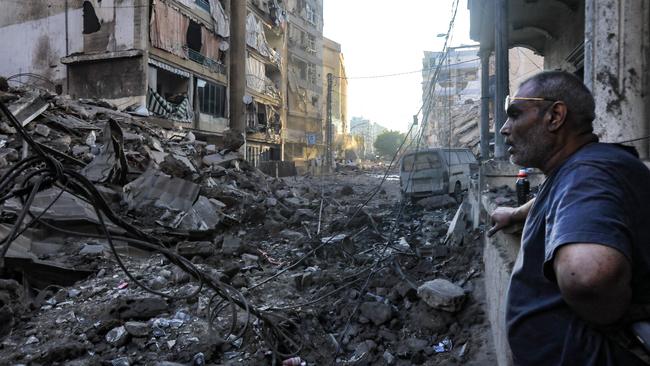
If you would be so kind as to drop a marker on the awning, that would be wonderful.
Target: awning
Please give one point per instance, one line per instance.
(167, 67)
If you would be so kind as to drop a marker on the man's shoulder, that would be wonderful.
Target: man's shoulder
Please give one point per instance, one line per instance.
(613, 160)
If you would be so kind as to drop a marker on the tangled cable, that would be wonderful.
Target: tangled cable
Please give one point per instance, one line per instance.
(43, 170)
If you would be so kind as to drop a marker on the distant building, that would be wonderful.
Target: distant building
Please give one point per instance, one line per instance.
(452, 105)
(334, 64)
(369, 131)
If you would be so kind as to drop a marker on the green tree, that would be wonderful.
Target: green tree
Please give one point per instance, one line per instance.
(387, 143)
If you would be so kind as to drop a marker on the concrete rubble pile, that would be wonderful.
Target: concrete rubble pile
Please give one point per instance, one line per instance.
(253, 269)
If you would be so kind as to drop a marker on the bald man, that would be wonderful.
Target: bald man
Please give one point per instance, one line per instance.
(585, 250)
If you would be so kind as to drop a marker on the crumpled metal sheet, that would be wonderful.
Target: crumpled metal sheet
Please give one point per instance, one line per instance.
(110, 165)
(155, 188)
(67, 208)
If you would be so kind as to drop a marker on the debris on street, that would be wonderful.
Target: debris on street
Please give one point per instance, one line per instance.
(126, 243)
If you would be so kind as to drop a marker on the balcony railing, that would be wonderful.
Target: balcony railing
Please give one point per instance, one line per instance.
(213, 65)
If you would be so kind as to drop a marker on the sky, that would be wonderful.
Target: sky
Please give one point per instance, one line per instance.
(380, 37)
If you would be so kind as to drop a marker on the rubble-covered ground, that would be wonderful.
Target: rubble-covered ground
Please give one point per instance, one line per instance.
(254, 270)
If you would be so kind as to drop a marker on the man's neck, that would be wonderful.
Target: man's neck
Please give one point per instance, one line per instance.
(568, 148)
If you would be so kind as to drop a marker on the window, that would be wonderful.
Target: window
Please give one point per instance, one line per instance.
(212, 98)
(193, 36)
(311, 14)
(311, 73)
(302, 68)
(453, 158)
(420, 162)
(311, 44)
(203, 4)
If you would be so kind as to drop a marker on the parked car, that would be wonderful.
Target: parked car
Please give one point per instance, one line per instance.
(436, 171)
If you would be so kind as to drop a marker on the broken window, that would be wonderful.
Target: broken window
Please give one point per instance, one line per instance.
(193, 39)
(311, 73)
(261, 115)
(311, 14)
(302, 68)
(90, 20)
(212, 98)
(251, 115)
(168, 95)
(311, 44)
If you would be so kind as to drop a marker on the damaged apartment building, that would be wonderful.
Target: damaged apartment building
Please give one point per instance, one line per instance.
(304, 138)
(171, 60)
(452, 107)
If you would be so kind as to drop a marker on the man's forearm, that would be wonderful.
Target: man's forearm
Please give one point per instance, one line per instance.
(521, 212)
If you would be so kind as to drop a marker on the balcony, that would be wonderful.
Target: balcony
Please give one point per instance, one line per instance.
(213, 65)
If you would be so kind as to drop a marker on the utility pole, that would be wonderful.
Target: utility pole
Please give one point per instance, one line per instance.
(237, 65)
(485, 104)
(501, 44)
(328, 158)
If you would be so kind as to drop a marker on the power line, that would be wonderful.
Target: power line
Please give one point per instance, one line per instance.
(401, 73)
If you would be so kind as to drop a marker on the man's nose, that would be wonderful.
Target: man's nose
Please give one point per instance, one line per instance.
(505, 129)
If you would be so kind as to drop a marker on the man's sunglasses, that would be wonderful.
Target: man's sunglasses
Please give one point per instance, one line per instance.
(510, 99)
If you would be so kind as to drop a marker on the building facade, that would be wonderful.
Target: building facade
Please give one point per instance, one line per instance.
(174, 60)
(303, 135)
(333, 63)
(368, 131)
(452, 108)
(604, 42)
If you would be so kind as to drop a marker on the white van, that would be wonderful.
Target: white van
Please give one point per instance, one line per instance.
(436, 171)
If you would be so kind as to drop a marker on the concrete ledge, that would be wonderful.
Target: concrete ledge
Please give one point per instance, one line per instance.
(92, 57)
(498, 260)
(499, 173)
(499, 256)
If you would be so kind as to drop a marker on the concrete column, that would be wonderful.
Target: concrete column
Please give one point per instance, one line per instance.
(617, 40)
(501, 39)
(485, 104)
(284, 114)
(237, 64)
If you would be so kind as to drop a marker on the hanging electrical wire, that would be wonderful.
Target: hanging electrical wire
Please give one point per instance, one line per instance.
(28, 177)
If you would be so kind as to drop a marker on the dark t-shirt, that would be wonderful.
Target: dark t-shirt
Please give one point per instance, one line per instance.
(601, 195)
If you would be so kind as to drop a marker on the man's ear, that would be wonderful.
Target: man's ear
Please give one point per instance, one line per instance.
(558, 114)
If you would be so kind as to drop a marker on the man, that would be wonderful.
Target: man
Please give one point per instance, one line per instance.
(585, 251)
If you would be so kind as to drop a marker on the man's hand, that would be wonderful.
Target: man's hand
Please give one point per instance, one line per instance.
(502, 217)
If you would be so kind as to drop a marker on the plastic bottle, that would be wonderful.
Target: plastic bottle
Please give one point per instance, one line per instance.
(522, 187)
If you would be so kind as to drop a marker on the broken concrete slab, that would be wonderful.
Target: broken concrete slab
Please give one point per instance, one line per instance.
(442, 295)
(155, 188)
(377, 312)
(459, 227)
(437, 202)
(291, 235)
(218, 159)
(139, 308)
(231, 245)
(195, 248)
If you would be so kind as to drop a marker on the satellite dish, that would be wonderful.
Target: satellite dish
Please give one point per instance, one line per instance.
(248, 99)
(224, 46)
